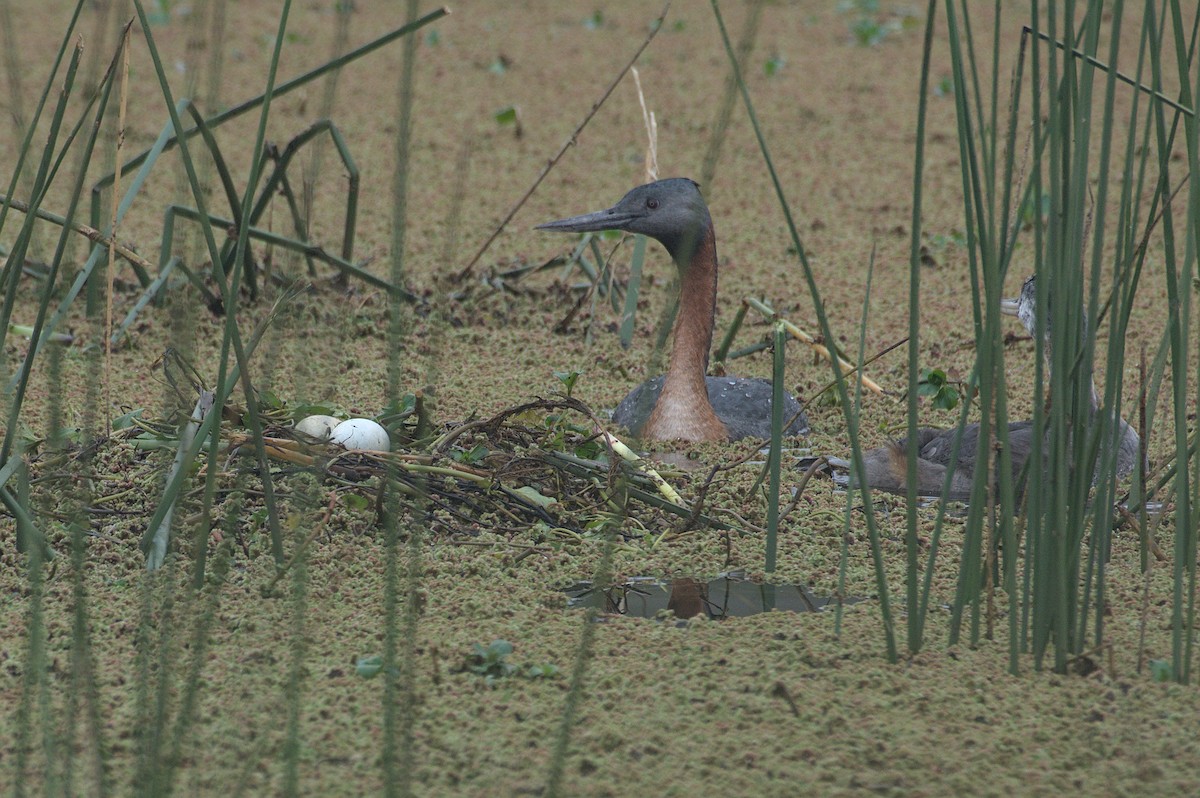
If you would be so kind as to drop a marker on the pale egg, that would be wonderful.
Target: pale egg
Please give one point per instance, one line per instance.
(361, 433)
(317, 427)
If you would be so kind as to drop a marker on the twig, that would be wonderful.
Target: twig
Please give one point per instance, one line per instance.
(633, 457)
(698, 504)
(1085, 658)
(819, 348)
(1103, 67)
(655, 27)
(651, 131)
(886, 350)
(1143, 533)
(812, 469)
(91, 233)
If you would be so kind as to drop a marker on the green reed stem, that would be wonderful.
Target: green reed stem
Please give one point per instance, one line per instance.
(400, 624)
(633, 290)
(283, 88)
(826, 331)
(858, 391)
(33, 685)
(31, 129)
(230, 291)
(916, 618)
(16, 256)
(775, 457)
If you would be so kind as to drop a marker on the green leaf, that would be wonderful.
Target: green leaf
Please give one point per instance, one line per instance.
(270, 400)
(935, 384)
(946, 399)
(401, 408)
(532, 494)
(473, 456)
(506, 115)
(355, 501)
(590, 450)
(568, 379)
(125, 421)
(490, 662)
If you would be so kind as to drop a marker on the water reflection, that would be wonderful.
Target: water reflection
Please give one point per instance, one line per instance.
(729, 595)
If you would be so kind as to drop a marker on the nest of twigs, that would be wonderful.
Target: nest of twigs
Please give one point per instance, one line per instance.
(544, 463)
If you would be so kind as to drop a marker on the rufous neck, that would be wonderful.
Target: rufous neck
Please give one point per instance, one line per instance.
(683, 410)
(697, 309)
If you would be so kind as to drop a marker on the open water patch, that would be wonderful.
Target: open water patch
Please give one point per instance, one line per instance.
(730, 595)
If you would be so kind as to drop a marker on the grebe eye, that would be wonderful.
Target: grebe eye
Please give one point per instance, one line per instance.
(652, 204)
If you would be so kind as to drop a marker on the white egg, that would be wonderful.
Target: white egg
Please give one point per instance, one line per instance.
(361, 433)
(319, 427)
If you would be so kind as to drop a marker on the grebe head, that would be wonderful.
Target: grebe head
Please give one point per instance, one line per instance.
(671, 211)
(1025, 307)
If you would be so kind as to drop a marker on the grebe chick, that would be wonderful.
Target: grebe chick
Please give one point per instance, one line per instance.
(886, 466)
